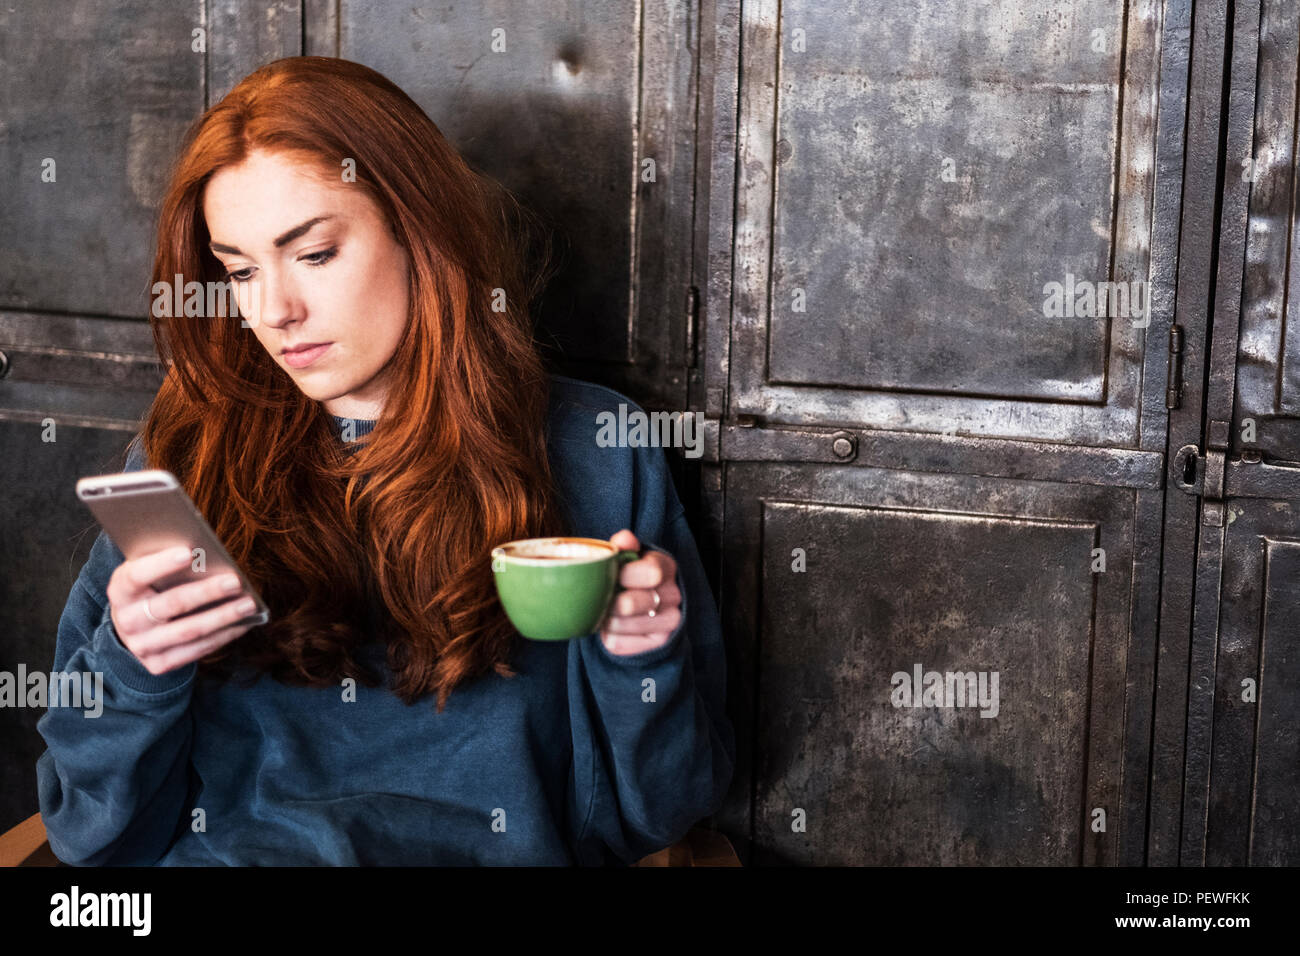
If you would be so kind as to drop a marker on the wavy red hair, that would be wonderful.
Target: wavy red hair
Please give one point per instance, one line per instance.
(457, 461)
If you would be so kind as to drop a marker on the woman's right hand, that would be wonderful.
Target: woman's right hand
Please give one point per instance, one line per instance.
(172, 644)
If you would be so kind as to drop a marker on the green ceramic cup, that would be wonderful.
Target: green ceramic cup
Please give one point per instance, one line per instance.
(554, 589)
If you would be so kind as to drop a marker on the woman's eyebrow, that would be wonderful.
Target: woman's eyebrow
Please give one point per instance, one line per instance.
(289, 236)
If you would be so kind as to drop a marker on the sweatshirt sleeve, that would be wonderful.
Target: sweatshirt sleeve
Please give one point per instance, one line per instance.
(114, 777)
(654, 750)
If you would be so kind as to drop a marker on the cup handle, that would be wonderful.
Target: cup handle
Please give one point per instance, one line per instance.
(622, 558)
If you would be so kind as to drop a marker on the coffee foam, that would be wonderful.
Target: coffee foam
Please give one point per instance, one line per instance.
(557, 549)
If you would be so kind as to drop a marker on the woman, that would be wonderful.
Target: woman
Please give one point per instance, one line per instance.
(354, 234)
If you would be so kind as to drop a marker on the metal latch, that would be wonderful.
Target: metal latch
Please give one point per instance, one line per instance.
(1205, 475)
(1199, 474)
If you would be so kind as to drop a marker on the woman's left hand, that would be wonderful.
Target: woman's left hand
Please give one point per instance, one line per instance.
(628, 628)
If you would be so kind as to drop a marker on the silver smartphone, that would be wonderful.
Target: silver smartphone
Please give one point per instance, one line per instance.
(148, 511)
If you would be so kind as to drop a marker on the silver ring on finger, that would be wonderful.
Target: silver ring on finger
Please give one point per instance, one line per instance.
(149, 614)
(651, 612)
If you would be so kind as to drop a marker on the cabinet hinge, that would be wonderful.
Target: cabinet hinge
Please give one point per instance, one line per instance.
(1174, 370)
(692, 322)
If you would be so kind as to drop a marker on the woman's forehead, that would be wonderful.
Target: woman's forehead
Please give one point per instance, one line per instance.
(263, 199)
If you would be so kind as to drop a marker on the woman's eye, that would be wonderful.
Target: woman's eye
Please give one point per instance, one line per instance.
(320, 258)
(312, 259)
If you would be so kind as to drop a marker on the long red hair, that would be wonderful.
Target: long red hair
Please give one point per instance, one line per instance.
(457, 461)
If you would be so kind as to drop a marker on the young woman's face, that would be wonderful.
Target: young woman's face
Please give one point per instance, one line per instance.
(312, 262)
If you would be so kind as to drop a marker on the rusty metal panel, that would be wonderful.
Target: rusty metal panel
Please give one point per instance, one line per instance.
(1141, 674)
(1204, 41)
(897, 290)
(955, 573)
(587, 111)
(1240, 777)
(77, 370)
(83, 242)
(1274, 824)
(244, 36)
(1268, 372)
(937, 785)
(1234, 202)
(861, 191)
(715, 203)
(1211, 601)
(1172, 134)
(320, 27)
(920, 355)
(992, 457)
(1251, 802)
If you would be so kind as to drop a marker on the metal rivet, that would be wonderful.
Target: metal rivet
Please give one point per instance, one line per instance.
(4, 364)
(842, 447)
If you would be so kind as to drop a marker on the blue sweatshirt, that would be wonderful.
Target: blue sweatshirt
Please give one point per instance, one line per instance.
(569, 762)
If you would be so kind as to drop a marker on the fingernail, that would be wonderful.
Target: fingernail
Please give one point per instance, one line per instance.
(181, 554)
(230, 583)
(247, 607)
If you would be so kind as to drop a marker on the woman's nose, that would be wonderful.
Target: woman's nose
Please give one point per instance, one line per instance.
(273, 300)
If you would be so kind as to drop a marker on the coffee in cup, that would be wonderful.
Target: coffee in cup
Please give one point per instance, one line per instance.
(554, 589)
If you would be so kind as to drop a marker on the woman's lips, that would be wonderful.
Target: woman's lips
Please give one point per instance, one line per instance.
(306, 356)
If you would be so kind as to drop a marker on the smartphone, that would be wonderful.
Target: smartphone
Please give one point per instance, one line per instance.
(148, 511)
